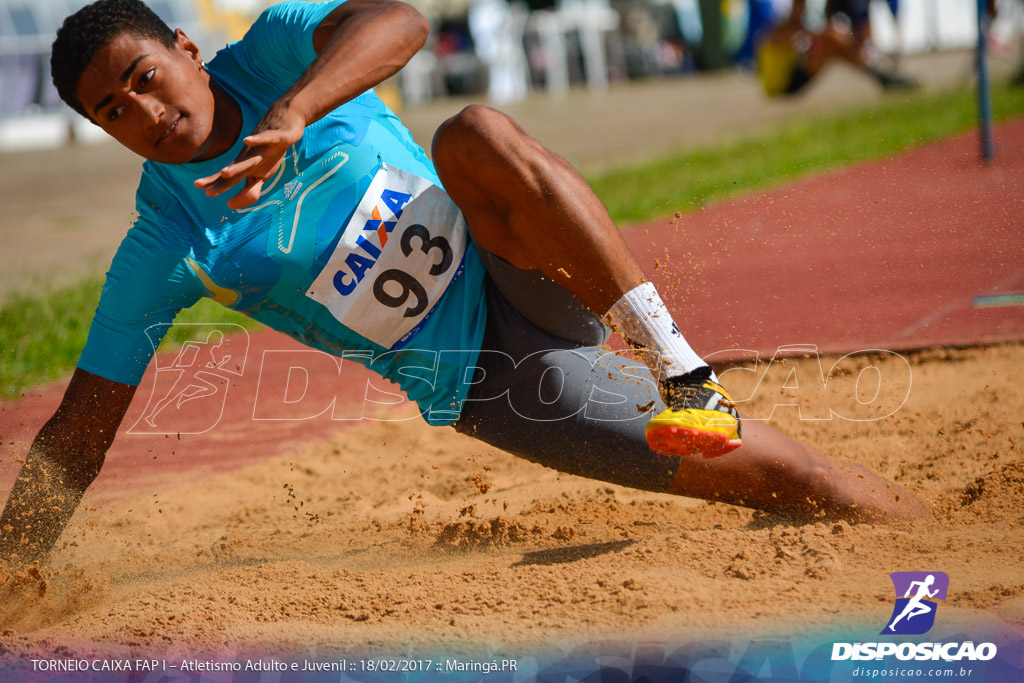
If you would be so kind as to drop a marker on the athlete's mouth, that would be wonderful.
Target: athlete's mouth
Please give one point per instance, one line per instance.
(170, 132)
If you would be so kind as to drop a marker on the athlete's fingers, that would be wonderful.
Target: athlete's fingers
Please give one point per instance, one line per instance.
(227, 176)
(203, 183)
(249, 194)
(255, 163)
(222, 185)
(265, 169)
(243, 165)
(231, 175)
(256, 174)
(264, 150)
(272, 137)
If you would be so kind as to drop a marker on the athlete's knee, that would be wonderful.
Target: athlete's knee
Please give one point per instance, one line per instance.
(473, 132)
(474, 124)
(815, 482)
(797, 478)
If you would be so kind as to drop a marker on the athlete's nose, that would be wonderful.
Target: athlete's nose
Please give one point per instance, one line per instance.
(151, 110)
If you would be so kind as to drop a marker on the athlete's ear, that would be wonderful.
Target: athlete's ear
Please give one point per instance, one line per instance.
(185, 44)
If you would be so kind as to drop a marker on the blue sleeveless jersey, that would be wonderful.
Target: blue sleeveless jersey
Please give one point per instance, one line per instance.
(352, 246)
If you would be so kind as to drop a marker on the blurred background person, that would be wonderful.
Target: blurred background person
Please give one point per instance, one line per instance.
(794, 54)
(497, 29)
(762, 17)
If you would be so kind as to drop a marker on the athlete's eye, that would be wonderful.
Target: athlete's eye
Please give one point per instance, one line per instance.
(146, 77)
(115, 113)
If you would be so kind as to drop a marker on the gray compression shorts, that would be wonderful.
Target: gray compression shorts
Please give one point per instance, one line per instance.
(546, 391)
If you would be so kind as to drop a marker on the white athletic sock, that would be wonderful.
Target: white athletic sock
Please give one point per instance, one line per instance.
(642, 318)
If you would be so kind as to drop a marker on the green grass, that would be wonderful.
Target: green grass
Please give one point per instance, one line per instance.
(41, 337)
(685, 182)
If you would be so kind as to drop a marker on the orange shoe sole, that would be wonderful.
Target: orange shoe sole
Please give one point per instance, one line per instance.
(684, 441)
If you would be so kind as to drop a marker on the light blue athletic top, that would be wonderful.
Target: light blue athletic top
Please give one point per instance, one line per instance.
(351, 247)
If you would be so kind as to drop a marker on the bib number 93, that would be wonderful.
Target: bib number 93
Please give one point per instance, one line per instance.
(408, 285)
(396, 257)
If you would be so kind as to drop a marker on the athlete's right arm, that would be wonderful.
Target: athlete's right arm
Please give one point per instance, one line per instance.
(63, 460)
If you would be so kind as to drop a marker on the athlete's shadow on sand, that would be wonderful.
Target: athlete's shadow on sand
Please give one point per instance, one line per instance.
(572, 554)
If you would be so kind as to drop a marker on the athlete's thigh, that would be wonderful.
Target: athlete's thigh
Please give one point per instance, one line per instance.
(577, 409)
(514, 292)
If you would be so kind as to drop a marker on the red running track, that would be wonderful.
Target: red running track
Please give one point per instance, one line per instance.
(890, 254)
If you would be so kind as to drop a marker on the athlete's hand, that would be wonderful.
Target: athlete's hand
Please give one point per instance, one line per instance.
(279, 129)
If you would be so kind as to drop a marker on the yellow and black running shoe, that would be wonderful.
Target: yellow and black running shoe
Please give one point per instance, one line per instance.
(700, 418)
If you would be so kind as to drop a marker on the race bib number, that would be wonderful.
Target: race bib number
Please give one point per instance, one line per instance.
(402, 248)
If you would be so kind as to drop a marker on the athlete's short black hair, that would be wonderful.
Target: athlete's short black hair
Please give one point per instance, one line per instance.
(93, 27)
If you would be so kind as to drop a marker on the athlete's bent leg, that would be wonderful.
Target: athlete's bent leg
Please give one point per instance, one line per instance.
(580, 410)
(551, 418)
(530, 207)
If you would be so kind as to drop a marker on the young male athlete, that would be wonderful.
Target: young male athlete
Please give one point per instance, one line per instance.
(483, 300)
(793, 55)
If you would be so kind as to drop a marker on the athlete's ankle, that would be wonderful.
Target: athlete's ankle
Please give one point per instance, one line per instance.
(643, 320)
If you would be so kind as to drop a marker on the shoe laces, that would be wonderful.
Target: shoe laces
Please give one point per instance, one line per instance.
(683, 391)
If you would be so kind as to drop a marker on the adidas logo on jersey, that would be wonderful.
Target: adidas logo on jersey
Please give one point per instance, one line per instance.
(292, 187)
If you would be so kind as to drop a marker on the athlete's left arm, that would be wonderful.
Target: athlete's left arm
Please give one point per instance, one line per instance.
(359, 44)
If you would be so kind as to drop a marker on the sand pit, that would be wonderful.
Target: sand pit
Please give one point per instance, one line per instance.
(395, 537)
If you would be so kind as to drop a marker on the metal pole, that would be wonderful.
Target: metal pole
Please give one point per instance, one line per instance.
(984, 89)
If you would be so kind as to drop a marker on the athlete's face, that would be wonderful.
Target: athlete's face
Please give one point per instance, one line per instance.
(153, 99)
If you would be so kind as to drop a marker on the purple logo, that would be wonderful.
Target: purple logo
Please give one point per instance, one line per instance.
(916, 593)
